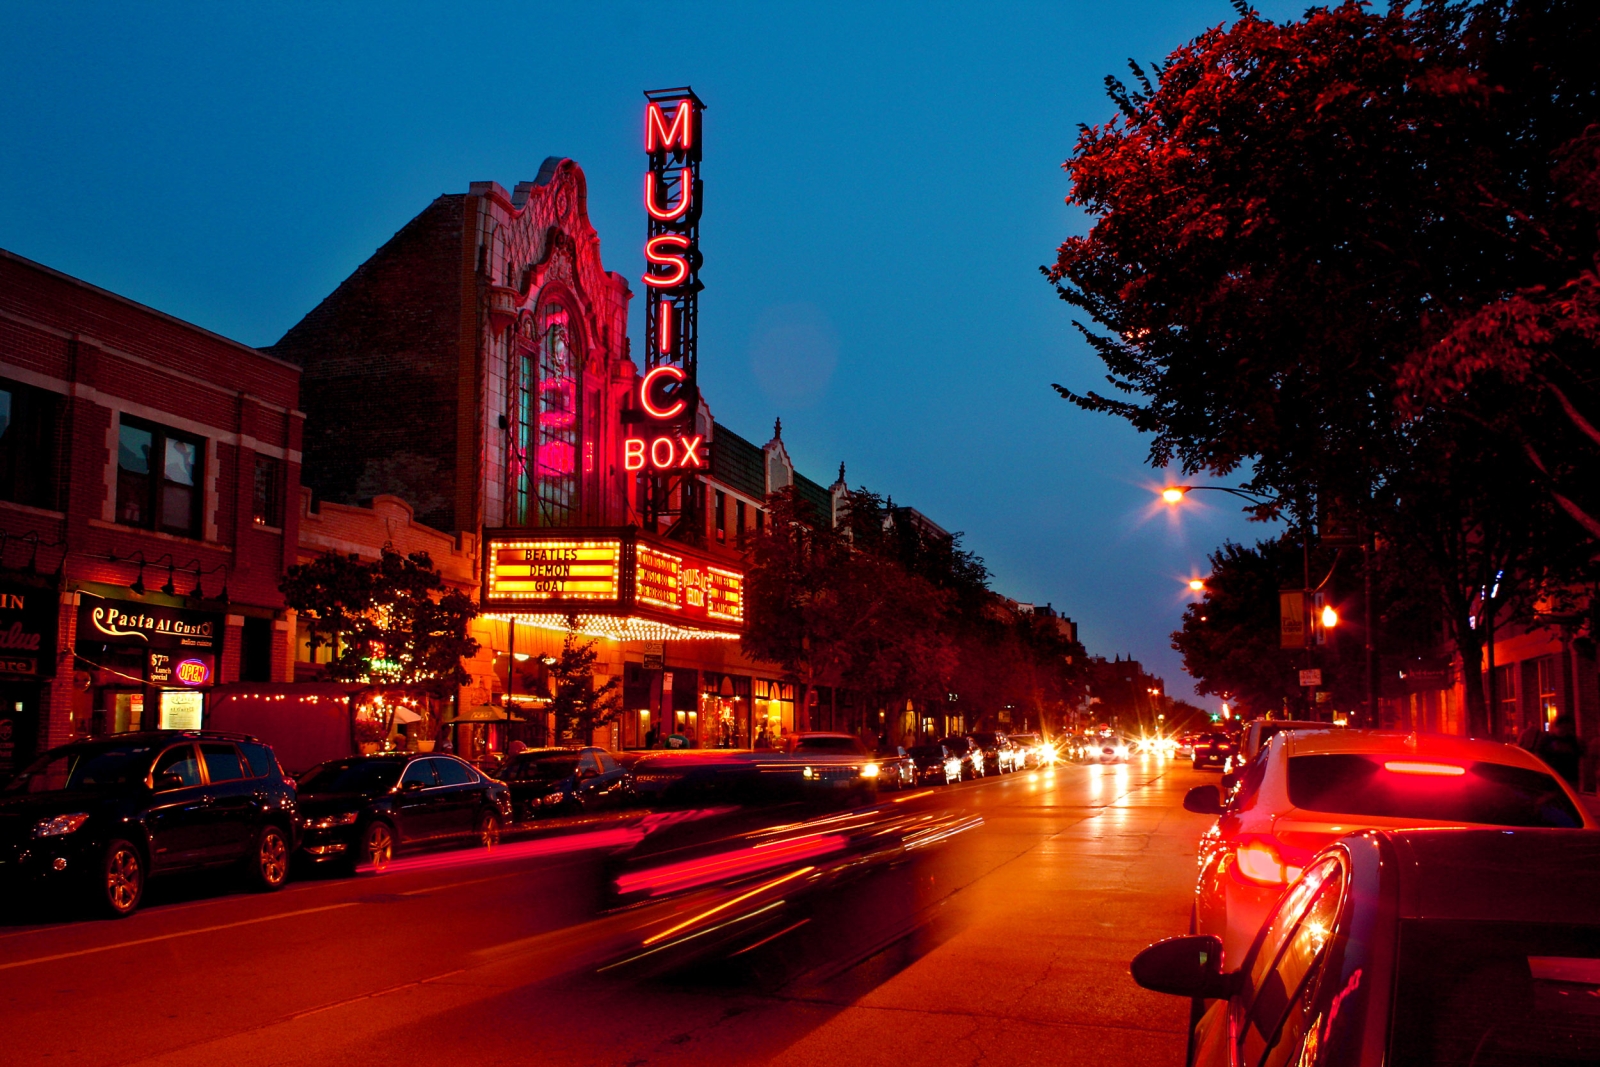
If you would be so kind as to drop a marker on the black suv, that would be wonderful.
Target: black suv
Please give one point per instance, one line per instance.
(109, 813)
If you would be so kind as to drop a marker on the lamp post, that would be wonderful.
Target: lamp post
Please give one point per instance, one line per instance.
(1173, 495)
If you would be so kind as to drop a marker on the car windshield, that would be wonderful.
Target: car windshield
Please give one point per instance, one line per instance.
(351, 776)
(848, 746)
(1494, 994)
(88, 767)
(1396, 787)
(548, 769)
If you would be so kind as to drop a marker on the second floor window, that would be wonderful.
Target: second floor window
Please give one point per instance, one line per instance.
(159, 478)
(28, 419)
(266, 510)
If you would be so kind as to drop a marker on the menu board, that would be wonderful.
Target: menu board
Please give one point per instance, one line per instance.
(659, 577)
(725, 595)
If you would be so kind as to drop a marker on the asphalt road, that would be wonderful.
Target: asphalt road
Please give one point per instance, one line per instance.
(1005, 942)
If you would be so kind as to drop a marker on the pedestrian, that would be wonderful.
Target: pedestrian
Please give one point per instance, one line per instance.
(651, 736)
(1561, 749)
(1529, 737)
(763, 739)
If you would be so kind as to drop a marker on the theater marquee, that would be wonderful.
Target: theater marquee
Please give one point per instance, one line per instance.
(620, 583)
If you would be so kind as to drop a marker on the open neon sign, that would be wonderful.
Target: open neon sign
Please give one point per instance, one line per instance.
(668, 397)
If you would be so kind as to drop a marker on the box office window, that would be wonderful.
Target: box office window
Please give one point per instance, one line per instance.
(28, 422)
(159, 475)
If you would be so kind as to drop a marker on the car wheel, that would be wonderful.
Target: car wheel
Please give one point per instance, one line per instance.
(122, 877)
(487, 830)
(269, 860)
(377, 846)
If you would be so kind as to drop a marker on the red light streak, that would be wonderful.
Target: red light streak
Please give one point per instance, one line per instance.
(691, 873)
(666, 370)
(658, 134)
(725, 905)
(685, 191)
(1437, 770)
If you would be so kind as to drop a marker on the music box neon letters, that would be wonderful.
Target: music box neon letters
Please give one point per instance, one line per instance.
(665, 451)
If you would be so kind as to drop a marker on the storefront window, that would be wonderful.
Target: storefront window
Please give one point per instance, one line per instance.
(1549, 706)
(181, 709)
(773, 718)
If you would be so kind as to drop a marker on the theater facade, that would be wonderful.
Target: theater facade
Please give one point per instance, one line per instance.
(478, 367)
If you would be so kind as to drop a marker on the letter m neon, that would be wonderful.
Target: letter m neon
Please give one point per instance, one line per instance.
(657, 134)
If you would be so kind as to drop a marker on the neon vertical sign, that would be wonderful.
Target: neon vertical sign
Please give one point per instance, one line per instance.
(665, 446)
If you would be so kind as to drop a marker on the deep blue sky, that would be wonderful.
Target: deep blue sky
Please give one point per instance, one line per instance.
(882, 183)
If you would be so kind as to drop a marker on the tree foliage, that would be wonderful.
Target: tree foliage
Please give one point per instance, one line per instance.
(388, 621)
(580, 706)
(1347, 254)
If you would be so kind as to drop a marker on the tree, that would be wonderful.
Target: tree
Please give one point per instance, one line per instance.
(388, 622)
(1291, 213)
(576, 703)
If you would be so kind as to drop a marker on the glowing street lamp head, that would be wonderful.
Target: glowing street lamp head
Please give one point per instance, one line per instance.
(1197, 585)
(1173, 494)
(1330, 618)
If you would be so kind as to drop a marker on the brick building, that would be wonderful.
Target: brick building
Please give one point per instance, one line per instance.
(144, 464)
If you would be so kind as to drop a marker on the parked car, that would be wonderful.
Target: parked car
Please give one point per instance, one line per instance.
(1448, 947)
(1212, 750)
(1034, 750)
(105, 815)
(936, 764)
(1258, 733)
(1000, 756)
(968, 752)
(1186, 745)
(364, 809)
(566, 781)
(1306, 789)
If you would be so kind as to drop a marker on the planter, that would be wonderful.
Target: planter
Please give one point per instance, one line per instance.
(425, 746)
(368, 748)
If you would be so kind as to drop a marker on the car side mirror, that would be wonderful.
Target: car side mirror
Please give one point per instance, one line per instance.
(167, 780)
(1229, 780)
(1186, 967)
(1203, 800)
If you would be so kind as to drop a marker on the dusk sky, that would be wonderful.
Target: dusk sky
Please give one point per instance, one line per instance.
(882, 183)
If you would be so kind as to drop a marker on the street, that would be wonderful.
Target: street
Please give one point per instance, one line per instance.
(1006, 942)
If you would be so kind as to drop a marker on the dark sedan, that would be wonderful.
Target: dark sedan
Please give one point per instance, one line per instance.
(361, 810)
(936, 765)
(968, 752)
(1213, 750)
(566, 781)
(106, 815)
(1437, 947)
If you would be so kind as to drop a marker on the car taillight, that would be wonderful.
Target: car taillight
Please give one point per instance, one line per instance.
(1261, 861)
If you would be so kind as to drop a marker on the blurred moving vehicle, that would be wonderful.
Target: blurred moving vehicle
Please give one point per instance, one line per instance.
(106, 815)
(364, 809)
(935, 764)
(1446, 947)
(967, 751)
(1000, 756)
(1214, 749)
(1113, 749)
(1036, 752)
(835, 761)
(1307, 788)
(566, 781)
(1258, 733)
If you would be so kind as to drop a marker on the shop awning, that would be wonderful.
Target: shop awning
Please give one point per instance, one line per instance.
(484, 713)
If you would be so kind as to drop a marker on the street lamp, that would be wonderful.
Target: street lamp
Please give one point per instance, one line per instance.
(1197, 585)
(1330, 618)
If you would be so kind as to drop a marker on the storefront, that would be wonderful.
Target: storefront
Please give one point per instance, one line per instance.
(27, 658)
(142, 666)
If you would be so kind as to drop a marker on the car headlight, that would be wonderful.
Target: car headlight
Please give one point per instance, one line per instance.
(61, 824)
(1122, 750)
(328, 822)
(808, 773)
(871, 770)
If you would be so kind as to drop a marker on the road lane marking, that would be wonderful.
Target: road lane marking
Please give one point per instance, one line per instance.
(356, 1000)
(173, 936)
